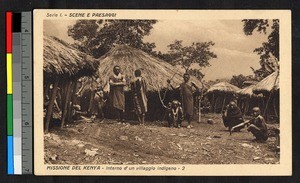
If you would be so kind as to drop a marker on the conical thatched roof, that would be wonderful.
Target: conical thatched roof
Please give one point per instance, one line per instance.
(223, 87)
(155, 71)
(246, 91)
(63, 61)
(269, 83)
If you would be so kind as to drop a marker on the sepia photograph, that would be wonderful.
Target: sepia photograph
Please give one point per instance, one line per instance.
(160, 93)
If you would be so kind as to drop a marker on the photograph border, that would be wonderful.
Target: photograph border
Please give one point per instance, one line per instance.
(284, 16)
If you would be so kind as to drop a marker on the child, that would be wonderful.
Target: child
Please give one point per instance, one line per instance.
(98, 104)
(186, 93)
(257, 126)
(175, 114)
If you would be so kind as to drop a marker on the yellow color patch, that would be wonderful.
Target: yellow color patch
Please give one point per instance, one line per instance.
(9, 73)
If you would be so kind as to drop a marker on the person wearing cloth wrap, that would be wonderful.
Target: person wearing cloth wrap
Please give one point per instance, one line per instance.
(232, 116)
(186, 93)
(257, 126)
(117, 97)
(139, 89)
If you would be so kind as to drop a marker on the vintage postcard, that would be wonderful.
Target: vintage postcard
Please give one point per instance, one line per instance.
(162, 92)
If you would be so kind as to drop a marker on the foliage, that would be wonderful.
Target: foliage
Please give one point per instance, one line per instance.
(97, 37)
(269, 48)
(238, 80)
(197, 53)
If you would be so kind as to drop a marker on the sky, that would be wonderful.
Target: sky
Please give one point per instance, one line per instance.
(233, 48)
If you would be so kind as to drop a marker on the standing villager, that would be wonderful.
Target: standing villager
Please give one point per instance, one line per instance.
(117, 97)
(257, 126)
(232, 116)
(139, 89)
(187, 98)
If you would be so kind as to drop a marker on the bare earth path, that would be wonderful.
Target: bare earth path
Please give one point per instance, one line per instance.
(109, 142)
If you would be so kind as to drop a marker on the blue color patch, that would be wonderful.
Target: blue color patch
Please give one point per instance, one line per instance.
(10, 155)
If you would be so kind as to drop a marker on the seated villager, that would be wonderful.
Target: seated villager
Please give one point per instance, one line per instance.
(175, 114)
(257, 126)
(98, 104)
(232, 116)
(139, 89)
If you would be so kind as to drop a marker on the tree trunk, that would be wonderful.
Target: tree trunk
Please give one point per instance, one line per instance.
(50, 106)
(66, 102)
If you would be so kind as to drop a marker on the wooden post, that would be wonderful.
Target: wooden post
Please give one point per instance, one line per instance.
(46, 90)
(247, 106)
(50, 106)
(215, 104)
(67, 100)
(223, 103)
(212, 103)
(91, 97)
(266, 108)
(72, 101)
(274, 106)
(199, 113)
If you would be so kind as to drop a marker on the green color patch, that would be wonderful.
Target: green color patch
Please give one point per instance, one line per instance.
(9, 117)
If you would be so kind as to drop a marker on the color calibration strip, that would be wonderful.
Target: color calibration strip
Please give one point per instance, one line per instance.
(9, 100)
(17, 116)
(19, 93)
(26, 92)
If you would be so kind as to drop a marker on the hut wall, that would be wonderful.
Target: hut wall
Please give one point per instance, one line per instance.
(156, 112)
(219, 100)
(270, 112)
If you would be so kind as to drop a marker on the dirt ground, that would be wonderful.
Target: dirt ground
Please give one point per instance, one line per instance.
(109, 142)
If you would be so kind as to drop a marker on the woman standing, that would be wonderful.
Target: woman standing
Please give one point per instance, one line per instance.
(139, 90)
(117, 82)
(186, 93)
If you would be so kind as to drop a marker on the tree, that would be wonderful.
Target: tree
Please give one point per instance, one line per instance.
(96, 37)
(269, 48)
(197, 53)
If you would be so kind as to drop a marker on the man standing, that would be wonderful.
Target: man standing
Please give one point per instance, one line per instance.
(117, 82)
(186, 93)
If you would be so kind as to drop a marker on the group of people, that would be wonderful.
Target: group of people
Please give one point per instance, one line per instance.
(138, 87)
(117, 83)
(233, 119)
(177, 110)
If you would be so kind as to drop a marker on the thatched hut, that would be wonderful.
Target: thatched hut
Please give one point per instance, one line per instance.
(63, 65)
(155, 71)
(269, 87)
(247, 99)
(220, 94)
(268, 84)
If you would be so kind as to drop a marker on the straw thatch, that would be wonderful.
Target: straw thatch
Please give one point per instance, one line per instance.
(155, 71)
(223, 87)
(268, 84)
(246, 91)
(62, 61)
